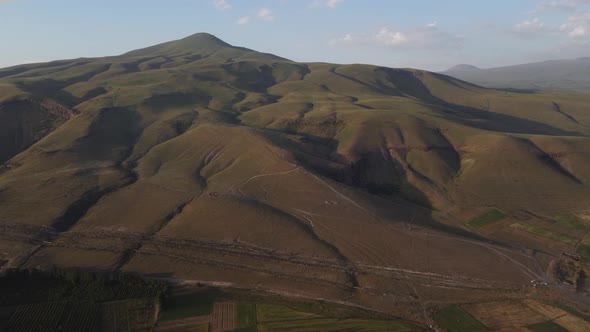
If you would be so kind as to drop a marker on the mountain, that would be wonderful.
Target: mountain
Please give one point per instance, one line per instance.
(555, 74)
(462, 67)
(356, 184)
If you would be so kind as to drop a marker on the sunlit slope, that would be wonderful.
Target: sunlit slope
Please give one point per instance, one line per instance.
(199, 160)
(424, 136)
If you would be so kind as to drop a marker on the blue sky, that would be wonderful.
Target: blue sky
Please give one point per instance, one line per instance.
(428, 34)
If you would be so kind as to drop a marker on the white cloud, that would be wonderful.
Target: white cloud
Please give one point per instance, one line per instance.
(578, 32)
(332, 3)
(265, 14)
(529, 28)
(221, 4)
(243, 20)
(575, 29)
(389, 37)
(325, 3)
(344, 39)
(422, 37)
(577, 25)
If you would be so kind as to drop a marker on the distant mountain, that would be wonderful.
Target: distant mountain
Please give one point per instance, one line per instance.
(463, 67)
(555, 74)
(395, 190)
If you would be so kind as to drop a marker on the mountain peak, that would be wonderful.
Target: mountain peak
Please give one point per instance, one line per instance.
(201, 43)
(201, 39)
(463, 67)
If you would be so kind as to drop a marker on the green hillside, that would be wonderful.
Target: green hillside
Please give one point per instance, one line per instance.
(198, 160)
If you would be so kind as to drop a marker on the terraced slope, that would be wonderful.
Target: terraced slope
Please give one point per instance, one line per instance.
(201, 161)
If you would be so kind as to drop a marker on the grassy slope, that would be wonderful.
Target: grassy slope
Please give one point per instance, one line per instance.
(196, 140)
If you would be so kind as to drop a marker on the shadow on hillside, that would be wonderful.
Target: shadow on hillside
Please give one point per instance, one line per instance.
(412, 85)
(318, 155)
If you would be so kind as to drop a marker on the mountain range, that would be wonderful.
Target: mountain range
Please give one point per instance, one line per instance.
(392, 190)
(572, 74)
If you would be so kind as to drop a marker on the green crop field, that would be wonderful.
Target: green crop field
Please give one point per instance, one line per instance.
(570, 221)
(549, 326)
(572, 311)
(455, 319)
(487, 218)
(542, 232)
(280, 318)
(178, 306)
(584, 248)
(246, 315)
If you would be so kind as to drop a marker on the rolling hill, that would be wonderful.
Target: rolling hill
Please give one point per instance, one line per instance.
(196, 160)
(555, 74)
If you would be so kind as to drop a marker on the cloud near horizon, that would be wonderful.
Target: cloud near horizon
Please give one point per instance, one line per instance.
(577, 25)
(325, 3)
(529, 28)
(219, 4)
(427, 37)
(265, 14)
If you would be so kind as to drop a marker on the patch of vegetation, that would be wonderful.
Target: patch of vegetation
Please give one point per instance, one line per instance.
(56, 316)
(572, 311)
(487, 218)
(246, 315)
(246, 329)
(569, 221)
(69, 300)
(5, 314)
(454, 318)
(320, 308)
(280, 318)
(583, 249)
(571, 272)
(540, 231)
(549, 326)
(24, 286)
(179, 306)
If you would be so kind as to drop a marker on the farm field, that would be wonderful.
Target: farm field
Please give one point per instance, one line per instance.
(549, 326)
(570, 221)
(542, 232)
(235, 315)
(454, 318)
(223, 317)
(487, 218)
(280, 318)
(584, 248)
(184, 304)
(513, 315)
(73, 301)
(128, 315)
(504, 315)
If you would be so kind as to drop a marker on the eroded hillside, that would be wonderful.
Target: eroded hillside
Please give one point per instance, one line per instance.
(198, 160)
